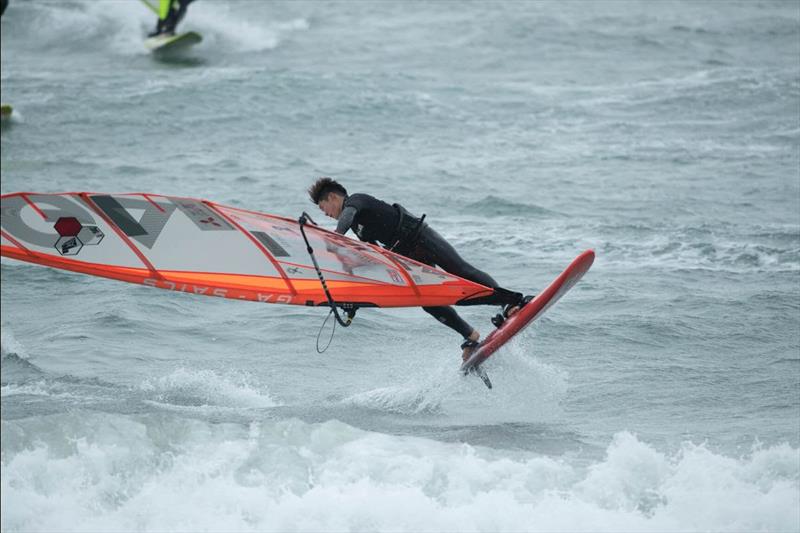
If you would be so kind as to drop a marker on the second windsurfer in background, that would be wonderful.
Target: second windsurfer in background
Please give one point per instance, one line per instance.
(170, 13)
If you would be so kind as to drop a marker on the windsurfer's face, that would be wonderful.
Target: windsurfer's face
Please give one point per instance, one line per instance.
(332, 205)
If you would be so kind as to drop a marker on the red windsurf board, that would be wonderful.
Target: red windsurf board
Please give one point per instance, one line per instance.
(530, 312)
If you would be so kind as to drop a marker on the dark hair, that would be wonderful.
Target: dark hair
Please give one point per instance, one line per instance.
(322, 187)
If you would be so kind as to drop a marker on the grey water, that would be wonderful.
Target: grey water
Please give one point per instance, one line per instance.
(662, 393)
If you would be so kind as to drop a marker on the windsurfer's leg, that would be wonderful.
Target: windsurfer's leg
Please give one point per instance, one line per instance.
(449, 317)
(182, 6)
(177, 10)
(164, 12)
(445, 256)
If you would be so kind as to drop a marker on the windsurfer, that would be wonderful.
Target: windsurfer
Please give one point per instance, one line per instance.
(392, 226)
(170, 13)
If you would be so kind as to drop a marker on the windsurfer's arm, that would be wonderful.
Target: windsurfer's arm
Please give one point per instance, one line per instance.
(346, 219)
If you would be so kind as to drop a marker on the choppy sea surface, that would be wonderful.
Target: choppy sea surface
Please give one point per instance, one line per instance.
(661, 394)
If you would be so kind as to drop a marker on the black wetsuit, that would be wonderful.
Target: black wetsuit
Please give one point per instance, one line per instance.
(176, 14)
(395, 228)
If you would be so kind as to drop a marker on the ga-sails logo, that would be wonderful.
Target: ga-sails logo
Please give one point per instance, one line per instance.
(49, 221)
(73, 235)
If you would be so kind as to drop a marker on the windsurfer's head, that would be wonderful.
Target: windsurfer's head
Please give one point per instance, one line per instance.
(329, 195)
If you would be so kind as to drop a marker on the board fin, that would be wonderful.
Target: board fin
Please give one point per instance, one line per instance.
(481, 373)
(477, 370)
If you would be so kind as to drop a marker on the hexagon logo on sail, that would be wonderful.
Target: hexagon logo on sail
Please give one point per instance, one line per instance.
(73, 236)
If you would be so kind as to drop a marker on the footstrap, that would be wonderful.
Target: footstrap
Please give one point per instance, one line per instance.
(469, 343)
(523, 301)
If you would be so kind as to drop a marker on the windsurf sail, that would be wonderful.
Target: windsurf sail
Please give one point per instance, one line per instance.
(201, 247)
(151, 7)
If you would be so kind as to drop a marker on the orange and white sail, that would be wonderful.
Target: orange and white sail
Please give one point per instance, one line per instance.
(201, 247)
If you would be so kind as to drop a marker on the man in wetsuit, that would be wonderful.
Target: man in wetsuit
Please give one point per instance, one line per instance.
(170, 13)
(398, 230)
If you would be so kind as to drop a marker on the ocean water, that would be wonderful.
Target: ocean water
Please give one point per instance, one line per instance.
(661, 394)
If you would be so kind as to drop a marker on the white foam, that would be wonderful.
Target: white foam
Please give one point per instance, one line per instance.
(397, 399)
(122, 26)
(161, 473)
(9, 345)
(118, 25)
(40, 388)
(232, 30)
(525, 390)
(204, 388)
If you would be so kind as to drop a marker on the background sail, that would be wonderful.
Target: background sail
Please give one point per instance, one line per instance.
(200, 247)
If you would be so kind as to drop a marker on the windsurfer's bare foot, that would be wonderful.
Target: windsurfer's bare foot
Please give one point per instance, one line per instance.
(469, 344)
